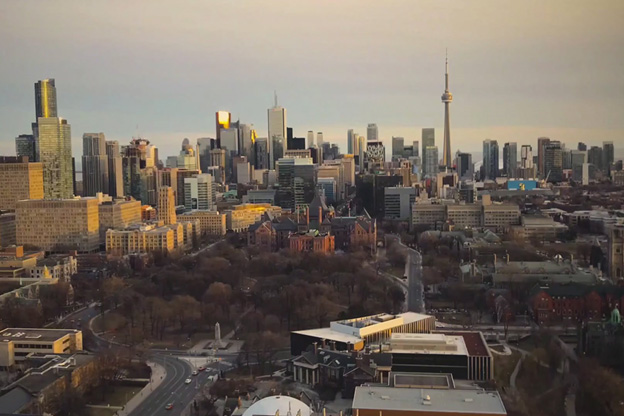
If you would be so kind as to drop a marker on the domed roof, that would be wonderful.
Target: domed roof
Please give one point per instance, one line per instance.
(284, 404)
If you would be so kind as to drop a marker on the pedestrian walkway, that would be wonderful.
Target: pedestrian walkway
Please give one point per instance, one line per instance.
(158, 375)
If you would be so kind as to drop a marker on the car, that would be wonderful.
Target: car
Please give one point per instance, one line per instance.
(202, 368)
(169, 406)
(195, 372)
(187, 381)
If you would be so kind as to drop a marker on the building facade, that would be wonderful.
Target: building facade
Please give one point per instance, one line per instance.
(19, 179)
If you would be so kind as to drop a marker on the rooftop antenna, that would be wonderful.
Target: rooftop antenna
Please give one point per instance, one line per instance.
(275, 97)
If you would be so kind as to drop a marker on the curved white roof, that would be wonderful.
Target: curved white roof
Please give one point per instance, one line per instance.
(270, 405)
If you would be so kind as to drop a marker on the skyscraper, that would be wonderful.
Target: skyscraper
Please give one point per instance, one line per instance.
(428, 140)
(296, 177)
(510, 159)
(595, 157)
(431, 162)
(350, 142)
(372, 132)
(608, 156)
(582, 146)
(398, 143)
(527, 168)
(361, 150)
(45, 99)
(310, 138)
(25, 145)
(553, 162)
(464, 166)
(115, 169)
(490, 159)
(139, 171)
(95, 173)
(166, 205)
(447, 99)
(541, 148)
(261, 147)
(247, 138)
(277, 131)
(222, 121)
(54, 143)
(204, 145)
(198, 192)
(319, 139)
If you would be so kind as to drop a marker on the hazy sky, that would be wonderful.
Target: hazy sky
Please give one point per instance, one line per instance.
(519, 69)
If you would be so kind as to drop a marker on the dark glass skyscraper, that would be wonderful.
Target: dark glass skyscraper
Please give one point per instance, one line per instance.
(490, 159)
(45, 99)
(510, 159)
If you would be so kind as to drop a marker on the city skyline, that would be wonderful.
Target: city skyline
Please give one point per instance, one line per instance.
(547, 91)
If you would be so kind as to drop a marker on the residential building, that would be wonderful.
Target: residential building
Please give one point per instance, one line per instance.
(54, 146)
(428, 139)
(198, 192)
(95, 175)
(17, 343)
(61, 267)
(510, 159)
(59, 224)
(139, 239)
(375, 156)
(398, 202)
(140, 174)
(490, 159)
(465, 169)
(311, 242)
(595, 157)
(210, 222)
(20, 180)
(115, 169)
(526, 170)
(553, 162)
(431, 161)
(26, 145)
(398, 144)
(541, 156)
(166, 205)
(608, 156)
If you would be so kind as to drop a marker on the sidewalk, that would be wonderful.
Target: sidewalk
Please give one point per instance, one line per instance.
(157, 377)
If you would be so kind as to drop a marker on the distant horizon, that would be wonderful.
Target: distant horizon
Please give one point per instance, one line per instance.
(518, 70)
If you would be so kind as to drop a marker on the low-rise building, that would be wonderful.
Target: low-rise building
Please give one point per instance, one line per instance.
(398, 202)
(241, 217)
(210, 222)
(538, 227)
(138, 239)
(17, 343)
(118, 214)
(61, 267)
(395, 401)
(496, 217)
(260, 196)
(311, 242)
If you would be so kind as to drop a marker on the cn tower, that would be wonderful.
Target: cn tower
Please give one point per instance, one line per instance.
(447, 98)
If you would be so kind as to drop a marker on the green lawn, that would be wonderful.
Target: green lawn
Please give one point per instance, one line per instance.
(117, 396)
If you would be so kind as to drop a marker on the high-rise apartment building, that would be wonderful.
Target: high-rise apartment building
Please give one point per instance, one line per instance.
(465, 169)
(582, 146)
(54, 145)
(372, 132)
(115, 169)
(447, 99)
(296, 177)
(527, 168)
(510, 159)
(541, 149)
(198, 192)
(166, 205)
(95, 173)
(490, 159)
(310, 138)
(431, 162)
(398, 143)
(351, 142)
(319, 139)
(595, 157)
(140, 175)
(428, 140)
(361, 140)
(26, 145)
(277, 132)
(19, 179)
(59, 224)
(553, 162)
(45, 99)
(608, 156)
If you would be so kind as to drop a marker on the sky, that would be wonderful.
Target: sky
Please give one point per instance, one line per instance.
(160, 69)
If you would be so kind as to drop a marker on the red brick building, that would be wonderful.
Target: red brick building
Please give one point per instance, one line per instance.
(311, 242)
(575, 303)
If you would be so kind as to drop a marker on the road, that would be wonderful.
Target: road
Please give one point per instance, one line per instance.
(173, 389)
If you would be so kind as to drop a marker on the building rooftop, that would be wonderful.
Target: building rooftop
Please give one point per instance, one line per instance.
(428, 344)
(34, 334)
(330, 335)
(428, 401)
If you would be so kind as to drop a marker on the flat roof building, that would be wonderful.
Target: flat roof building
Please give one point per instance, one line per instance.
(19, 179)
(17, 343)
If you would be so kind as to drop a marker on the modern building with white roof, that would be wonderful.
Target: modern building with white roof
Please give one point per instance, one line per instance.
(278, 405)
(391, 401)
(354, 334)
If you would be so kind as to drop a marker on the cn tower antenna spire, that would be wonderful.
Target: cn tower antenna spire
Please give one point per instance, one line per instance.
(447, 99)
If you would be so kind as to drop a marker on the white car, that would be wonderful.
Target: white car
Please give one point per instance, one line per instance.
(187, 381)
